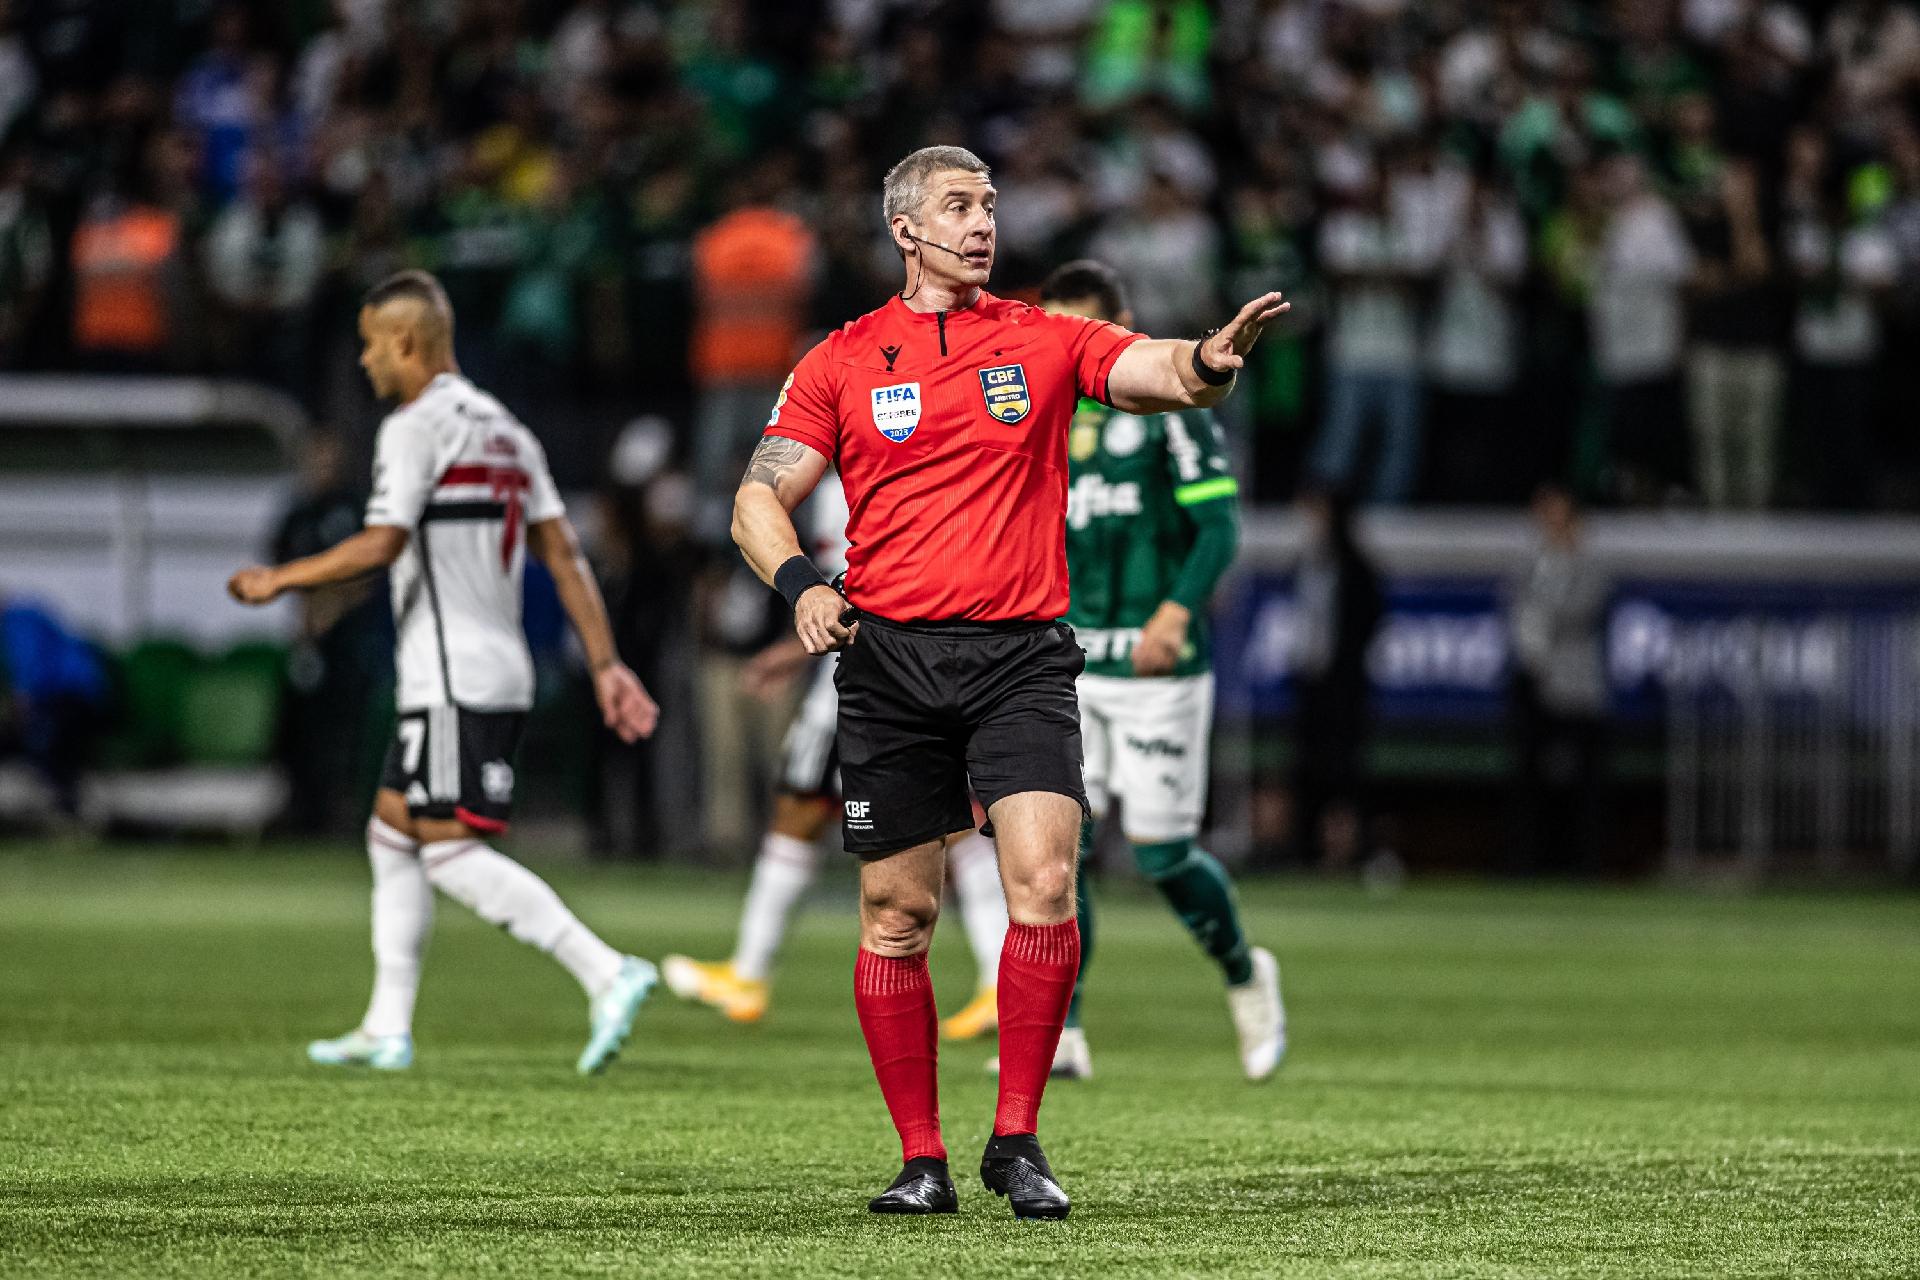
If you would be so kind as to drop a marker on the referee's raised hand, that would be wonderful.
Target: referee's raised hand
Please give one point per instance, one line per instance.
(1227, 349)
(816, 620)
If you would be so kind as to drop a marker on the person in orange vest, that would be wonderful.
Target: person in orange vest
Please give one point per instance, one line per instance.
(124, 254)
(753, 274)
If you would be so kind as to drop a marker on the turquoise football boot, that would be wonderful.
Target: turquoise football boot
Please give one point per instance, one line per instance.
(614, 1011)
(358, 1049)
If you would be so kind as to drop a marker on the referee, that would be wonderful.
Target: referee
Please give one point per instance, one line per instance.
(946, 413)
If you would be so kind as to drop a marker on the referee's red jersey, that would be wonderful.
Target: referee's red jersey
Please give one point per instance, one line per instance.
(949, 431)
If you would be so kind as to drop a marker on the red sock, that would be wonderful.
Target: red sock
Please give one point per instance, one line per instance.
(1037, 965)
(894, 996)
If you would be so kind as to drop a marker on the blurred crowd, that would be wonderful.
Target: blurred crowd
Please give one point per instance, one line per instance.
(1667, 250)
(1658, 251)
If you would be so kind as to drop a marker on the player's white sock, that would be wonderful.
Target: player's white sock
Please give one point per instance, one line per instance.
(402, 919)
(781, 874)
(501, 891)
(983, 903)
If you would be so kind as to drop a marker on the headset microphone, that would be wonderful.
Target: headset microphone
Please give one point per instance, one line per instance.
(943, 248)
(921, 275)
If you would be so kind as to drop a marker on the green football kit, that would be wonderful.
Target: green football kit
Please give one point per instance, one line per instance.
(1152, 516)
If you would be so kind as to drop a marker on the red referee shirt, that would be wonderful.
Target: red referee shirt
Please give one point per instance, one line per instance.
(949, 431)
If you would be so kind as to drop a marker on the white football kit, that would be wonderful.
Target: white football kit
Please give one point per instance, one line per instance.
(810, 765)
(462, 475)
(1145, 743)
(465, 478)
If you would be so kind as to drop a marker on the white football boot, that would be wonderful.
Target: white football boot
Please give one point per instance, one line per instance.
(1259, 1019)
(1071, 1060)
(613, 1012)
(358, 1049)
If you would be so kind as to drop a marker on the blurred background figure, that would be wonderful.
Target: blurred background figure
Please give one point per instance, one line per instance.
(341, 662)
(1843, 266)
(1169, 251)
(753, 273)
(1484, 449)
(54, 697)
(1340, 604)
(1558, 697)
(649, 791)
(1370, 441)
(740, 730)
(264, 256)
(1736, 376)
(1637, 316)
(26, 256)
(130, 282)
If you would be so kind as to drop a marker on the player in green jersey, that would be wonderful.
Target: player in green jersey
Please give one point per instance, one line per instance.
(1152, 524)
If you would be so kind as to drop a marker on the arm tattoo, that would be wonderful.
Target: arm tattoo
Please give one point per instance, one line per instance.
(773, 461)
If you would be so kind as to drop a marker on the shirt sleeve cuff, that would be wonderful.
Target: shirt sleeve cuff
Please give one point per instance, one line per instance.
(1104, 374)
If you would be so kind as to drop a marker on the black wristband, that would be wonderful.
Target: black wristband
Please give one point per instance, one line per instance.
(1205, 372)
(797, 576)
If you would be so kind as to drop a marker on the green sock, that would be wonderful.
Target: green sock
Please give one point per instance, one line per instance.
(1084, 907)
(1197, 888)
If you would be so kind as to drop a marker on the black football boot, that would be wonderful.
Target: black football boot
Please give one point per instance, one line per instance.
(922, 1187)
(1015, 1167)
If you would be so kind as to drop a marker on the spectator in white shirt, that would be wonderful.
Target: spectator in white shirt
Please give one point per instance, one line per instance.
(1374, 269)
(1636, 318)
(1473, 354)
(1168, 251)
(264, 256)
(1843, 265)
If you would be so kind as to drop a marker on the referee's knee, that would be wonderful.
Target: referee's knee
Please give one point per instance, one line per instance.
(897, 922)
(1039, 889)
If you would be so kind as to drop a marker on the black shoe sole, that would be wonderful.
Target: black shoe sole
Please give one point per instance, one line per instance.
(892, 1211)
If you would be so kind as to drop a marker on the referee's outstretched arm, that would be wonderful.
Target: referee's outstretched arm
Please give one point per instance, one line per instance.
(779, 477)
(1165, 375)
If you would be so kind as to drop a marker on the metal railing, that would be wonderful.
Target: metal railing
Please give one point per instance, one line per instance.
(1770, 759)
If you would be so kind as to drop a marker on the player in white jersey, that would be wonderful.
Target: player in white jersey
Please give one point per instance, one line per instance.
(461, 494)
(789, 857)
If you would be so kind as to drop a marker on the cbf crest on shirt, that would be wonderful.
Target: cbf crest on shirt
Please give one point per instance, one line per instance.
(1005, 387)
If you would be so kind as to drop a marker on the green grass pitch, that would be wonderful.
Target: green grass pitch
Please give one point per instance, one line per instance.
(1485, 1081)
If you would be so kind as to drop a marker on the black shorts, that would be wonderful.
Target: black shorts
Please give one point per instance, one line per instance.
(926, 707)
(453, 763)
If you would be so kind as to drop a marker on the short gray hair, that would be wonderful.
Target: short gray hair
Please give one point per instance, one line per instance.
(905, 189)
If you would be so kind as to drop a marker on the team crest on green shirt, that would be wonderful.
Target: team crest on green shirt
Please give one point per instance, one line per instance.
(1005, 387)
(1083, 438)
(1083, 441)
